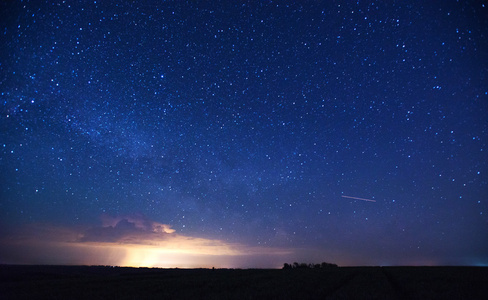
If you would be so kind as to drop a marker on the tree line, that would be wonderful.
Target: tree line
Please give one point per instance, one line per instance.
(296, 265)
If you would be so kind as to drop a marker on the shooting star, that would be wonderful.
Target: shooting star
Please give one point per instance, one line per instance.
(363, 199)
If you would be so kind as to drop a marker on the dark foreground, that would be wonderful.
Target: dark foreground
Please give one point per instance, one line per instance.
(63, 282)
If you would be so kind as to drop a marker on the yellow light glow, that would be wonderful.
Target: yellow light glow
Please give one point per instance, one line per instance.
(153, 249)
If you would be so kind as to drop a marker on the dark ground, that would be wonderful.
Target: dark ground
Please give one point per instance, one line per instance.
(79, 282)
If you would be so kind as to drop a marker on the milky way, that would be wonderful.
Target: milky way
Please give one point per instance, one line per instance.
(262, 125)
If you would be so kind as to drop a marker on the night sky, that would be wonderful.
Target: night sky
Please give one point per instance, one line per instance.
(244, 134)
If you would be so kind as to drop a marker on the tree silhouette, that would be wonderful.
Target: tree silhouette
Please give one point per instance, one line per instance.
(296, 265)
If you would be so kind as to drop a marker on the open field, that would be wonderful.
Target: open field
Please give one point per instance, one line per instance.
(79, 282)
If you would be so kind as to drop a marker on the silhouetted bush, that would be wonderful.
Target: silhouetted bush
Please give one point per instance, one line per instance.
(325, 265)
(296, 265)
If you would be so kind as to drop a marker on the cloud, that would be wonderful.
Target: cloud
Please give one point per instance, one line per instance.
(129, 241)
(134, 229)
(139, 221)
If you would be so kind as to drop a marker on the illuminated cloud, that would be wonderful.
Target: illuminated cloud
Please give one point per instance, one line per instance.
(128, 230)
(138, 220)
(129, 241)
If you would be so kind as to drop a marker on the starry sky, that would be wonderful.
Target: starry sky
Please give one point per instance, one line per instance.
(244, 133)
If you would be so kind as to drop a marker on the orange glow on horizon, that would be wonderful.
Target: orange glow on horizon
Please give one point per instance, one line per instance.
(167, 250)
(141, 243)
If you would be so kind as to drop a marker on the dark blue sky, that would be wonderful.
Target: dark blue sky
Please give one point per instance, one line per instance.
(244, 124)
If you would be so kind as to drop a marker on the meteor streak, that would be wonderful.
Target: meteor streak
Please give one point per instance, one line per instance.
(358, 198)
